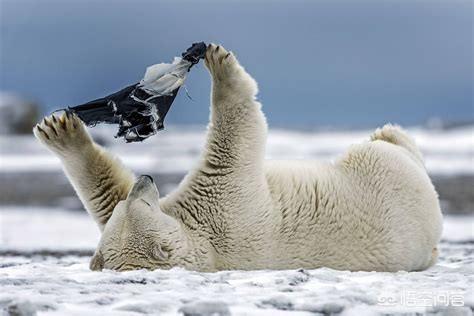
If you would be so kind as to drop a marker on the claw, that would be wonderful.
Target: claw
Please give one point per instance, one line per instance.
(54, 119)
(62, 121)
(51, 126)
(75, 120)
(54, 130)
(217, 48)
(42, 131)
(46, 122)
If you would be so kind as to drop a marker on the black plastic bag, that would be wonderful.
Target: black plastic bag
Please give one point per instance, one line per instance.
(140, 109)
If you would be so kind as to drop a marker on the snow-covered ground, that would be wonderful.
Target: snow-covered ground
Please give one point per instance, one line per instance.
(44, 253)
(63, 285)
(177, 148)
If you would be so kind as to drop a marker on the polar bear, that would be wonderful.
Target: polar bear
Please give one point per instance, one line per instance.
(374, 209)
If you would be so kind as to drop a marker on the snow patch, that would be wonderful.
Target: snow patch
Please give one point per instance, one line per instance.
(64, 285)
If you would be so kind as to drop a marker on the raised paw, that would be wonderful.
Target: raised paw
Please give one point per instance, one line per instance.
(227, 72)
(63, 134)
(221, 63)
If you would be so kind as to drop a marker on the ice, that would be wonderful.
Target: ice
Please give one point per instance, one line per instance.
(64, 285)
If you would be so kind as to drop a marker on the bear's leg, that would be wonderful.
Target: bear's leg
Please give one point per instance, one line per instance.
(238, 130)
(232, 161)
(99, 179)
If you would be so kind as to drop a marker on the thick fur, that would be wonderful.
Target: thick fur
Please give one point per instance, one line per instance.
(373, 209)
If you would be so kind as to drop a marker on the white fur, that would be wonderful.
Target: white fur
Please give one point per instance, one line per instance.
(373, 209)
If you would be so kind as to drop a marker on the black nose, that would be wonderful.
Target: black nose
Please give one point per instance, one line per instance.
(149, 177)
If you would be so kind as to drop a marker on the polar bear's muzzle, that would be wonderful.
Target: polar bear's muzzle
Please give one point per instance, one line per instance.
(131, 238)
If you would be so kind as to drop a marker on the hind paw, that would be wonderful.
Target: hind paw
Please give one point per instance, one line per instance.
(64, 134)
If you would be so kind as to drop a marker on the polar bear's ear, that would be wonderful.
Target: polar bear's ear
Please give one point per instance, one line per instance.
(97, 262)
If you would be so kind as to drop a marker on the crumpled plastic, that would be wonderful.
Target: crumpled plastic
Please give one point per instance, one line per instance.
(140, 109)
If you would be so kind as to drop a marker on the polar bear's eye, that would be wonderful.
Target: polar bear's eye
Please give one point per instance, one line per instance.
(146, 202)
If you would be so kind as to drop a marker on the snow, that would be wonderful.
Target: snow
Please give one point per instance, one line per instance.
(459, 228)
(44, 253)
(63, 285)
(177, 149)
(28, 229)
(66, 286)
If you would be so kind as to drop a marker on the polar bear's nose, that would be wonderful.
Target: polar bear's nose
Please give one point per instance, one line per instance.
(149, 177)
(144, 186)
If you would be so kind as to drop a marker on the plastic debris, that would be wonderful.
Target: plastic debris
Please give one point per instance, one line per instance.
(140, 109)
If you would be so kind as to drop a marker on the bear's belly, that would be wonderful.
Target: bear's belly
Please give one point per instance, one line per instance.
(325, 219)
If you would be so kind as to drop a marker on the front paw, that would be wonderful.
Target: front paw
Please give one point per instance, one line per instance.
(63, 135)
(220, 62)
(227, 72)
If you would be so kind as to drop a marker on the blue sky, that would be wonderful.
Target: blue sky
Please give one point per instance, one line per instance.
(318, 63)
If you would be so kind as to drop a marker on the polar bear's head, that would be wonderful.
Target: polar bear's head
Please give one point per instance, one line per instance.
(138, 234)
